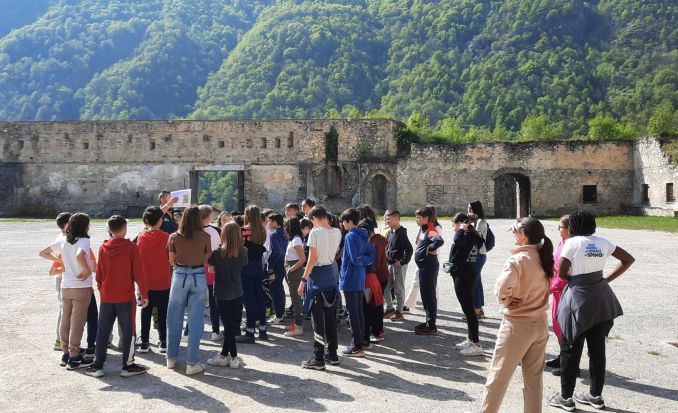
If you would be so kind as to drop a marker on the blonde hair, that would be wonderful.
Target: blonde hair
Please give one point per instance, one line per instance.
(205, 211)
(256, 226)
(231, 240)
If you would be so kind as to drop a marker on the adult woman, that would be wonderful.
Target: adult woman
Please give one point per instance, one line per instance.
(522, 288)
(476, 208)
(557, 286)
(587, 308)
(463, 255)
(253, 275)
(189, 248)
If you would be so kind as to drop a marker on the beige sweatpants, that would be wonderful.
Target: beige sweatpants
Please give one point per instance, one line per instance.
(521, 342)
(75, 302)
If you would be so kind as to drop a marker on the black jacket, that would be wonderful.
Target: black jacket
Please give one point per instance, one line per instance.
(398, 247)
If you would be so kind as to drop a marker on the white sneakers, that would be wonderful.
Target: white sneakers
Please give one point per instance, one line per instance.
(228, 361)
(217, 336)
(472, 350)
(294, 331)
(171, 363)
(463, 344)
(194, 369)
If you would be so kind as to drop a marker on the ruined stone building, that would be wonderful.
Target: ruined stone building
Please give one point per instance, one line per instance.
(104, 166)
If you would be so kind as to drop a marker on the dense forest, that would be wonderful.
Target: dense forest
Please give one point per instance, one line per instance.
(452, 70)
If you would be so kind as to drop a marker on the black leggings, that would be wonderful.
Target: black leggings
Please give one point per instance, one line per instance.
(464, 288)
(230, 311)
(570, 357)
(158, 299)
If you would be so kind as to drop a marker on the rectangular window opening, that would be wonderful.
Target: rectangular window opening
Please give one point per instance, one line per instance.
(590, 193)
(290, 140)
(85, 145)
(263, 143)
(670, 197)
(646, 194)
(152, 145)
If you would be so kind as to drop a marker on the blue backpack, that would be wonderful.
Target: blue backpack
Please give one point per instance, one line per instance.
(489, 240)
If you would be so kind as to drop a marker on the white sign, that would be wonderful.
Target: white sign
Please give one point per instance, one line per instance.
(184, 196)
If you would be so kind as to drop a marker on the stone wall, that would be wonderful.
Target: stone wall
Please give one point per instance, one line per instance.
(652, 167)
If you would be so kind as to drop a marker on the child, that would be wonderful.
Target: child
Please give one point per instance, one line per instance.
(358, 253)
(291, 210)
(57, 270)
(557, 286)
(398, 255)
(76, 287)
(152, 243)
(306, 206)
(224, 218)
(118, 269)
(215, 239)
(294, 263)
(227, 263)
(276, 266)
(319, 288)
(426, 258)
(376, 279)
(306, 227)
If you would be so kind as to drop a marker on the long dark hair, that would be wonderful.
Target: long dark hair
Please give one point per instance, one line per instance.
(582, 223)
(190, 222)
(254, 222)
(78, 224)
(534, 230)
(477, 208)
(293, 228)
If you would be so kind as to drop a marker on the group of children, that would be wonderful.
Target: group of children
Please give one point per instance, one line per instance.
(335, 267)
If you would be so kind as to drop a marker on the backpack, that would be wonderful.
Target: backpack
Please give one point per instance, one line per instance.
(489, 240)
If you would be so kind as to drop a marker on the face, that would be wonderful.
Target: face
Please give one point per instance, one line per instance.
(272, 224)
(291, 212)
(388, 220)
(225, 219)
(519, 237)
(469, 209)
(165, 199)
(421, 220)
(348, 225)
(456, 225)
(564, 232)
(305, 231)
(305, 208)
(177, 216)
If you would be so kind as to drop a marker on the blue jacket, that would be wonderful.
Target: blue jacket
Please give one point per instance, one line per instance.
(276, 261)
(358, 253)
(430, 241)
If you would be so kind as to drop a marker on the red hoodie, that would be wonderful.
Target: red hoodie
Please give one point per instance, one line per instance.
(118, 268)
(155, 259)
(379, 243)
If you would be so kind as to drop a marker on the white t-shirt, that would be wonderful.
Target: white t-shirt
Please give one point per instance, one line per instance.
(326, 242)
(481, 227)
(291, 253)
(68, 251)
(587, 253)
(215, 238)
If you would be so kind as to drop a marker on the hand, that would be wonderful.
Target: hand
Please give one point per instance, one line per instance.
(301, 289)
(396, 264)
(144, 302)
(173, 201)
(515, 302)
(85, 274)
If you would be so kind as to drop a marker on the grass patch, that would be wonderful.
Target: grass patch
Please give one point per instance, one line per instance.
(669, 224)
(654, 353)
(617, 337)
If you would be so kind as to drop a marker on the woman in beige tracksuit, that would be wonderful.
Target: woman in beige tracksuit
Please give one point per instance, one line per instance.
(523, 290)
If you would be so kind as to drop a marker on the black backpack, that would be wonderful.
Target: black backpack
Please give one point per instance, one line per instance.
(489, 239)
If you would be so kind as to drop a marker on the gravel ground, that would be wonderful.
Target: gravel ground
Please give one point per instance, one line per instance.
(406, 372)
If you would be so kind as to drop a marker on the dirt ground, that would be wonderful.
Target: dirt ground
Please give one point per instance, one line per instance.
(404, 373)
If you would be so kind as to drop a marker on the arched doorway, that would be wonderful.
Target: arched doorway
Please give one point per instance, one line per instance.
(379, 187)
(512, 195)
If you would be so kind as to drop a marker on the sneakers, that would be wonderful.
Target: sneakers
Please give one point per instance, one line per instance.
(79, 362)
(184, 338)
(375, 338)
(554, 364)
(389, 313)
(586, 398)
(143, 348)
(368, 345)
(426, 330)
(64, 360)
(406, 309)
(57, 345)
(218, 360)
(351, 351)
(235, 362)
(217, 336)
(420, 326)
(132, 370)
(263, 335)
(294, 331)
(276, 320)
(171, 363)
(90, 352)
(331, 359)
(398, 316)
(313, 363)
(162, 345)
(94, 371)
(557, 372)
(248, 338)
(558, 401)
(463, 344)
(192, 369)
(472, 350)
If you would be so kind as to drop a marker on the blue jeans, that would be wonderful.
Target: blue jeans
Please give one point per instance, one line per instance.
(188, 289)
(479, 296)
(356, 315)
(278, 292)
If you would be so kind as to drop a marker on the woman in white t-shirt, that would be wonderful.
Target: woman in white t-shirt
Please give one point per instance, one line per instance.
(76, 287)
(587, 308)
(294, 270)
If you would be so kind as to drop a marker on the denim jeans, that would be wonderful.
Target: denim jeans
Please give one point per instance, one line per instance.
(189, 287)
(479, 296)
(356, 316)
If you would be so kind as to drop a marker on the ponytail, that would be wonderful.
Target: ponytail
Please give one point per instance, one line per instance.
(546, 257)
(534, 230)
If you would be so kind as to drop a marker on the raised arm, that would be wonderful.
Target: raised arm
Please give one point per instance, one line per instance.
(625, 261)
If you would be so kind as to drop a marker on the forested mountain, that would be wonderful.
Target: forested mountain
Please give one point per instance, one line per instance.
(454, 70)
